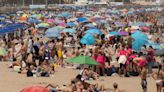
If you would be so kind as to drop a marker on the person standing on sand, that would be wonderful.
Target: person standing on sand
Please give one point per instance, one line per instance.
(143, 79)
(23, 52)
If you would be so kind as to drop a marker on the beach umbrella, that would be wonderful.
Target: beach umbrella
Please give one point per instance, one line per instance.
(2, 52)
(123, 33)
(69, 30)
(71, 24)
(42, 25)
(85, 60)
(36, 15)
(139, 24)
(145, 28)
(50, 21)
(93, 31)
(64, 14)
(2, 17)
(62, 24)
(32, 20)
(52, 33)
(88, 39)
(90, 25)
(82, 19)
(114, 33)
(57, 21)
(140, 39)
(59, 28)
(35, 89)
(154, 45)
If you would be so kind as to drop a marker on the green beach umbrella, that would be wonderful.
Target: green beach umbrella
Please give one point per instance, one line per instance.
(83, 60)
(2, 52)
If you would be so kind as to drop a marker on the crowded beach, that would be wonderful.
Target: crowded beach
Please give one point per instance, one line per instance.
(121, 42)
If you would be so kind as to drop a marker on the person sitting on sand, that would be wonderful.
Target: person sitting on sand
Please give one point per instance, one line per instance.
(116, 89)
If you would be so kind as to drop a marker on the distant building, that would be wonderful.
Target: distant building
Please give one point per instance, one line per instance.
(83, 2)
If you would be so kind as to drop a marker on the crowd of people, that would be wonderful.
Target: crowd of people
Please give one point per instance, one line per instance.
(33, 54)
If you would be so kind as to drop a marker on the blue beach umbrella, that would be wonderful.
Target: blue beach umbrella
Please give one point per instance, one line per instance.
(88, 39)
(93, 31)
(71, 24)
(140, 39)
(82, 19)
(114, 33)
(32, 20)
(69, 30)
(52, 33)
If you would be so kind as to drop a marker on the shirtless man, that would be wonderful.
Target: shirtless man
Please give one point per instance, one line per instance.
(143, 79)
(41, 52)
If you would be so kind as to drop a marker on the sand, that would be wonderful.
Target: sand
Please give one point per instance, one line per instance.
(13, 82)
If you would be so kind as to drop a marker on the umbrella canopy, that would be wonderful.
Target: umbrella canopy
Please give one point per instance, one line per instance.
(32, 20)
(90, 25)
(52, 33)
(36, 15)
(71, 24)
(140, 39)
(88, 39)
(69, 30)
(50, 20)
(35, 89)
(114, 33)
(42, 25)
(82, 19)
(62, 24)
(2, 52)
(123, 33)
(65, 14)
(139, 24)
(93, 31)
(154, 45)
(145, 28)
(2, 17)
(83, 60)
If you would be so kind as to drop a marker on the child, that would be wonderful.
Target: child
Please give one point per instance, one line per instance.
(116, 89)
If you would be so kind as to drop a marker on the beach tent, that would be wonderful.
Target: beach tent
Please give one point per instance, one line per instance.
(88, 39)
(140, 39)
